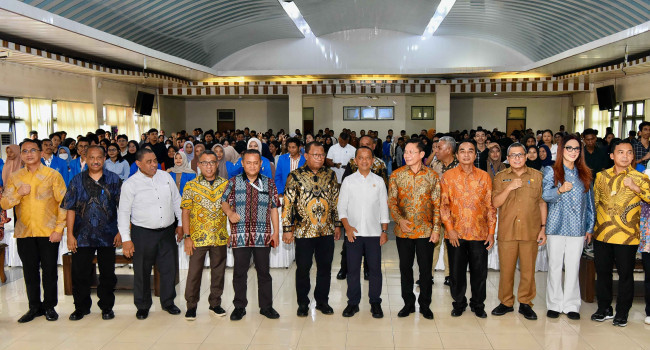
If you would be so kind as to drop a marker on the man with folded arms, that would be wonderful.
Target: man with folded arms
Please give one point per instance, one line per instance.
(251, 202)
(363, 210)
(149, 205)
(469, 217)
(91, 202)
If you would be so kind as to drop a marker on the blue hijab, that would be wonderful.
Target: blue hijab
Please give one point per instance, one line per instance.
(548, 161)
(67, 150)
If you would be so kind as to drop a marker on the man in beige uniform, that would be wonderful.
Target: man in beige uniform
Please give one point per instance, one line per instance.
(517, 192)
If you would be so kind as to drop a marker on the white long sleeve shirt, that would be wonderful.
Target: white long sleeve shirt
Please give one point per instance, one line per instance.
(149, 202)
(364, 202)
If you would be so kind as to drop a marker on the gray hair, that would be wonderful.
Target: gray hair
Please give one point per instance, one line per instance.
(450, 141)
(515, 145)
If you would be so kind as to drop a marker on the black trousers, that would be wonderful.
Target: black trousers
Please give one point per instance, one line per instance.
(646, 283)
(408, 249)
(39, 254)
(322, 249)
(606, 255)
(474, 254)
(344, 256)
(82, 274)
(159, 247)
(368, 246)
(242, 257)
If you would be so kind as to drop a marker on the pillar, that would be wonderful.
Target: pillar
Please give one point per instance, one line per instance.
(443, 107)
(295, 108)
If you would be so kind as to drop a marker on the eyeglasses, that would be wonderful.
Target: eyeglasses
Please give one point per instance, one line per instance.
(412, 153)
(317, 155)
(572, 149)
(32, 151)
(82, 147)
(516, 155)
(210, 163)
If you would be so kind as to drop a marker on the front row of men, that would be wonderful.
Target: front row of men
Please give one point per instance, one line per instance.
(147, 216)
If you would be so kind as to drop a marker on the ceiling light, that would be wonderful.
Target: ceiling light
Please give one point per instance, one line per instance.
(441, 12)
(294, 13)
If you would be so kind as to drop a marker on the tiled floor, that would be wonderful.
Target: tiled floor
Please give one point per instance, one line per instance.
(163, 331)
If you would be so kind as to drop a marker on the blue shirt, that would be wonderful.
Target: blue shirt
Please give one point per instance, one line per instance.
(282, 170)
(122, 168)
(571, 213)
(60, 166)
(238, 168)
(185, 178)
(75, 167)
(95, 206)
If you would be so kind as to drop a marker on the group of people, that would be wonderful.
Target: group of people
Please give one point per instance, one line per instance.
(439, 189)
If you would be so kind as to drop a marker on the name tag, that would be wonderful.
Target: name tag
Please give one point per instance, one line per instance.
(506, 180)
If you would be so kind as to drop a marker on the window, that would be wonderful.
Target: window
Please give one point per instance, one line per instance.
(579, 118)
(633, 115)
(515, 119)
(368, 113)
(422, 113)
(613, 119)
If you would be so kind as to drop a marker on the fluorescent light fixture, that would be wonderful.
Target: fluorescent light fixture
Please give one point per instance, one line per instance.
(294, 13)
(441, 12)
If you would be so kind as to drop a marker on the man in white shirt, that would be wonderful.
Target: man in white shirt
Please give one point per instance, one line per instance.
(339, 155)
(363, 210)
(149, 203)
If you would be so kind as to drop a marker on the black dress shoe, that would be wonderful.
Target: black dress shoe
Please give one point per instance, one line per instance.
(447, 281)
(303, 310)
(479, 312)
(341, 275)
(426, 313)
(350, 310)
(142, 314)
(376, 311)
(457, 311)
(30, 315)
(51, 315)
(366, 275)
(270, 312)
(527, 311)
(406, 310)
(237, 314)
(108, 314)
(552, 314)
(501, 310)
(172, 309)
(77, 315)
(325, 308)
(573, 315)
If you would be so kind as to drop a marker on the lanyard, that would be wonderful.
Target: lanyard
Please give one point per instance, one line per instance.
(258, 188)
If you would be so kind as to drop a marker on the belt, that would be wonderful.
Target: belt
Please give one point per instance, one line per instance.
(154, 229)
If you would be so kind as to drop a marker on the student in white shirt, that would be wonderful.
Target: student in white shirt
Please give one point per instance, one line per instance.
(339, 155)
(149, 204)
(363, 210)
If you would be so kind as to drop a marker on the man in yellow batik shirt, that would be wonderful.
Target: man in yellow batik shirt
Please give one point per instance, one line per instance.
(35, 192)
(618, 193)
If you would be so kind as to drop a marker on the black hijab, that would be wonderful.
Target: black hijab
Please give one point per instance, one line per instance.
(535, 164)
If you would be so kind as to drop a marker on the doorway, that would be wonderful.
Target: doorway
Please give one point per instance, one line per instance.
(225, 119)
(308, 120)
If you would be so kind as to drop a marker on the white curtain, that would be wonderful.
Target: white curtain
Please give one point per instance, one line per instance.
(75, 118)
(599, 120)
(37, 114)
(124, 119)
(146, 122)
(579, 118)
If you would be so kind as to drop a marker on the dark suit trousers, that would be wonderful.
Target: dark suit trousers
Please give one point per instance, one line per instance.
(242, 258)
(368, 246)
(408, 249)
(606, 255)
(474, 254)
(39, 254)
(322, 248)
(159, 247)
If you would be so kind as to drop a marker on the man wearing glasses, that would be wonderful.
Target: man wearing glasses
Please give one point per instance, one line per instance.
(310, 216)
(517, 192)
(35, 192)
(205, 233)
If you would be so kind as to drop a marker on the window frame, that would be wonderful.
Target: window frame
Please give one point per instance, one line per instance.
(359, 113)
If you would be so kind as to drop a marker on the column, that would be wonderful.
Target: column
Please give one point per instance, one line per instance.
(98, 100)
(443, 107)
(295, 108)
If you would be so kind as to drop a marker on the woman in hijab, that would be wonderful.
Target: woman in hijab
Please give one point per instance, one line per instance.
(72, 146)
(222, 169)
(181, 171)
(64, 153)
(545, 156)
(532, 158)
(494, 164)
(131, 149)
(266, 170)
(188, 147)
(12, 164)
(199, 148)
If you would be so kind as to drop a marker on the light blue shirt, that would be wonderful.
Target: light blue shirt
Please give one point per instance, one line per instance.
(570, 213)
(122, 168)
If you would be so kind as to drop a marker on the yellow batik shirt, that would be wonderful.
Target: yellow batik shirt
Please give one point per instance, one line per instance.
(207, 219)
(618, 208)
(38, 212)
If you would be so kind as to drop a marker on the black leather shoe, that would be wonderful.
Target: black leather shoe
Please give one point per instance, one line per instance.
(501, 310)
(479, 312)
(77, 315)
(376, 311)
(30, 315)
(447, 281)
(406, 310)
(573, 315)
(426, 313)
(341, 275)
(366, 275)
(270, 312)
(325, 308)
(527, 311)
(457, 311)
(350, 310)
(142, 314)
(303, 310)
(172, 309)
(237, 314)
(51, 315)
(552, 314)
(108, 314)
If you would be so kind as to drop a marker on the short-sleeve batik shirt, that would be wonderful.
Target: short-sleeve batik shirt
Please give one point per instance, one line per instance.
(207, 219)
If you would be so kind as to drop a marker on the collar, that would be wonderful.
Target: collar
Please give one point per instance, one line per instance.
(51, 158)
(526, 170)
(612, 171)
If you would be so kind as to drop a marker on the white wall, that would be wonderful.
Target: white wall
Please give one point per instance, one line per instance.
(172, 114)
(202, 113)
(462, 114)
(277, 114)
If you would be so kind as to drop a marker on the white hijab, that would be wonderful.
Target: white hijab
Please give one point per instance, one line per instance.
(184, 167)
(256, 140)
(190, 155)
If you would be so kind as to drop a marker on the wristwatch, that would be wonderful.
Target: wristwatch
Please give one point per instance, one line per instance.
(187, 236)
(384, 231)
